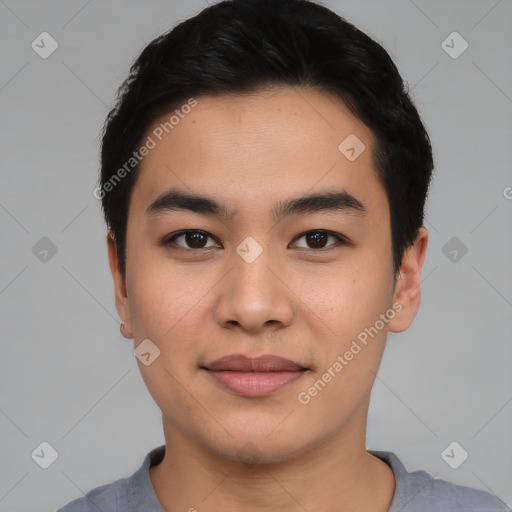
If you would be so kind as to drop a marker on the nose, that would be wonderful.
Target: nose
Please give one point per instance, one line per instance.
(254, 296)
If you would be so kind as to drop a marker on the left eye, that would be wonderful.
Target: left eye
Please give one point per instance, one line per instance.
(318, 239)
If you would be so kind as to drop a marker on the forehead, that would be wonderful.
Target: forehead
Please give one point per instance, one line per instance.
(282, 141)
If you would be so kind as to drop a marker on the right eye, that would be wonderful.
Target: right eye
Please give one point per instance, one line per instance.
(195, 239)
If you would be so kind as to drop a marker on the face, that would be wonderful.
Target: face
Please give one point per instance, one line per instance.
(257, 271)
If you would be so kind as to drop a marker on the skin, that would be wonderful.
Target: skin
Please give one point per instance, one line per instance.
(251, 151)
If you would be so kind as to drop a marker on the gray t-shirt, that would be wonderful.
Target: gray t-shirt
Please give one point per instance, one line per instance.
(415, 492)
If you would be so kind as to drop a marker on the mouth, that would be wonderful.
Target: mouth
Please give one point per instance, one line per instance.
(254, 377)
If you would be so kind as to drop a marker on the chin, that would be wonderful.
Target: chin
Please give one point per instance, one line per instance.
(256, 448)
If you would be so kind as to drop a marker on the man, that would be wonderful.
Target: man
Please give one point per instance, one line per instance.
(264, 176)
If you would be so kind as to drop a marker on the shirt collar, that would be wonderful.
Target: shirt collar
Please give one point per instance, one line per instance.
(408, 485)
(140, 495)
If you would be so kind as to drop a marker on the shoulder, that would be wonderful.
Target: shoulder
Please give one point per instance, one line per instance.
(129, 494)
(450, 496)
(418, 491)
(101, 498)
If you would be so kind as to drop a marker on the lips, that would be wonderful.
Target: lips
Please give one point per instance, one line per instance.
(254, 377)
(241, 363)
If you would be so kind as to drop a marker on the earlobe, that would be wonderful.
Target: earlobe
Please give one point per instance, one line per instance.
(121, 296)
(408, 291)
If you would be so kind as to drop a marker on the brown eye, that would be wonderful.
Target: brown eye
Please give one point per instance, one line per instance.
(193, 239)
(317, 240)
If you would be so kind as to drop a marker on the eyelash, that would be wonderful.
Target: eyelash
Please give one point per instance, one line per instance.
(170, 240)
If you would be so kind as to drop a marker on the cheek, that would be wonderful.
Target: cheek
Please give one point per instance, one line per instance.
(172, 307)
(349, 298)
(160, 295)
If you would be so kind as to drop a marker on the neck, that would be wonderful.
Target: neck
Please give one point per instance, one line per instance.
(339, 475)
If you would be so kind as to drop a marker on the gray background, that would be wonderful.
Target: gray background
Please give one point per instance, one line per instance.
(68, 377)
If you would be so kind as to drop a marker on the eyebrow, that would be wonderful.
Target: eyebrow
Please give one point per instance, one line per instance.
(175, 199)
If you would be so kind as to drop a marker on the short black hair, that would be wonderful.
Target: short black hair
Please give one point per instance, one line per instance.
(243, 46)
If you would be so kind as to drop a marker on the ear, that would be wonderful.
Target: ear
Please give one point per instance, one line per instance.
(122, 300)
(407, 289)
